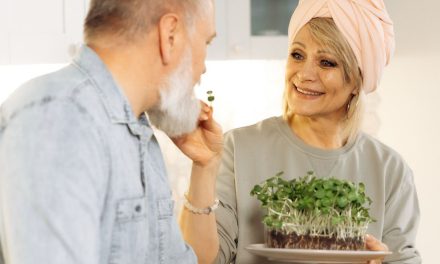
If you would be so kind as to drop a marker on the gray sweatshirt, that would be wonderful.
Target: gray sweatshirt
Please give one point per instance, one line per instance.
(254, 153)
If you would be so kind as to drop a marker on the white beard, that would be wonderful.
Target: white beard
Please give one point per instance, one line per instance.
(178, 110)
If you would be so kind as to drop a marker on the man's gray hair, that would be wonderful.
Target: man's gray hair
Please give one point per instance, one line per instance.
(130, 18)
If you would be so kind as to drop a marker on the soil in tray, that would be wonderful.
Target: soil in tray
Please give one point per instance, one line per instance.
(277, 239)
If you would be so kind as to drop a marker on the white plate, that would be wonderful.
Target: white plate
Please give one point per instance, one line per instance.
(315, 256)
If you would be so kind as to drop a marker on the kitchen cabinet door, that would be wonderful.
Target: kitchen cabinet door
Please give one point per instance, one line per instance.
(217, 50)
(4, 46)
(4, 41)
(43, 31)
(257, 29)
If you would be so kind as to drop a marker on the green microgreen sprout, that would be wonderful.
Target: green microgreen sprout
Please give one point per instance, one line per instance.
(317, 206)
(211, 97)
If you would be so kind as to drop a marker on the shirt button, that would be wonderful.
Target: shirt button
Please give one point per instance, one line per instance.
(138, 208)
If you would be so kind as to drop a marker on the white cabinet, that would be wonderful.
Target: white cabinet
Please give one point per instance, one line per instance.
(257, 29)
(42, 31)
(4, 41)
(47, 31)
(217, 49)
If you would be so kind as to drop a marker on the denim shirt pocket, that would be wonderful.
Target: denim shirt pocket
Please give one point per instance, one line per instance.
(130, 232)
(172, 247)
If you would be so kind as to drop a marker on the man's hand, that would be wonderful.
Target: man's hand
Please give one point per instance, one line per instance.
(374, 244)
(205, 143)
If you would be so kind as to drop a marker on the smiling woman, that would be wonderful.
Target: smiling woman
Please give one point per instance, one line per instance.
(334, 59)
(321, 81)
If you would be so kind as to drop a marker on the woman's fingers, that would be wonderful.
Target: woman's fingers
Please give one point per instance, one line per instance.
(374, 244)
(205, 112)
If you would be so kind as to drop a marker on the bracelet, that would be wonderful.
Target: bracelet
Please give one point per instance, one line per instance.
(196, 210)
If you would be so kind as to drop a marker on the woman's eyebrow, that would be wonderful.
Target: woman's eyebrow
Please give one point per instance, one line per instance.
(325, 51)
(321, 51)
(299, 43)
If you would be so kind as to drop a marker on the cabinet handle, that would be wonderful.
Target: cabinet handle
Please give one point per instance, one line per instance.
(237, 49)
(72, 49)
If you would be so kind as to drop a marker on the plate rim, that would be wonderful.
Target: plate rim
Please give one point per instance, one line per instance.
(263, 247)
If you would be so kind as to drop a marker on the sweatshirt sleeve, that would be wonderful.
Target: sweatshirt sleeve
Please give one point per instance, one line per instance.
(402, 215)
(226, 214)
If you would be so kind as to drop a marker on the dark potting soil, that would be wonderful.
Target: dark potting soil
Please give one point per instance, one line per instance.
(277, 239)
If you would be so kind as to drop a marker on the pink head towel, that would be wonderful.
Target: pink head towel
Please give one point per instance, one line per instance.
(366, 26)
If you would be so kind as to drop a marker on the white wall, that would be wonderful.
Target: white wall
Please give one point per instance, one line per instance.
(247, 91)
(403, 113)
(410, 123)
(406, 105)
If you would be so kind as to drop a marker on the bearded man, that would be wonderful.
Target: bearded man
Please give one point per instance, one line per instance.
(82, 178)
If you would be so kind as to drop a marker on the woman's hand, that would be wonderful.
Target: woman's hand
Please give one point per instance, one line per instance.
(205, 143)
(374, 244)
(204, 146)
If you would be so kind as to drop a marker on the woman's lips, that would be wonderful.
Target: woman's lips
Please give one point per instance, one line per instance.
(307, 92)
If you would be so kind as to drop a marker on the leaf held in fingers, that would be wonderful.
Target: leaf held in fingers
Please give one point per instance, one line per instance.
(210, 95)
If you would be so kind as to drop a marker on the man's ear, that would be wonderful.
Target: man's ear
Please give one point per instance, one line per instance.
(168, 35)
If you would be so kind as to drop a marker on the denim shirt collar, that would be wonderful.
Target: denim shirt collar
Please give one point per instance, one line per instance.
(114, 100)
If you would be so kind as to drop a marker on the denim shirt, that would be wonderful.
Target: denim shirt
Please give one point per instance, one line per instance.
(82, 180)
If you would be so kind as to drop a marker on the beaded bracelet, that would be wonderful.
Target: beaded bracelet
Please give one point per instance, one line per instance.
(196, 210)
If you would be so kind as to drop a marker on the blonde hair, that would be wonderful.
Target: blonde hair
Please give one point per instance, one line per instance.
(325, 32)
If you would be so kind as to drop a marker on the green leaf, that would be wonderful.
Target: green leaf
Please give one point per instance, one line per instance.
(342, 202)
(361, 187)
(279, 173)
(320, 194)
(352, 196)
(328, 185)
(315, 198)
(329, 194)
(262, 197)
(256, 189)
(326, 202)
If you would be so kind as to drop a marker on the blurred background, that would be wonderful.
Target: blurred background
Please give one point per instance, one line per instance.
(246, 73)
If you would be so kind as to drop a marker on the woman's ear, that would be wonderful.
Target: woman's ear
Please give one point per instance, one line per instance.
(168, 35)
(355, 91)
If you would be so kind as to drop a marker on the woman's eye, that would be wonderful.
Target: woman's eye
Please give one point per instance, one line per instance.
(297, 56)
(328, 64)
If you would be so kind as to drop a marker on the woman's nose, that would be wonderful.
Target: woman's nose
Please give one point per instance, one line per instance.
(307, 72)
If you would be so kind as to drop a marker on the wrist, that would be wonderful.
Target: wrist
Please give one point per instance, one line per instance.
(201, 191)
(202, 185)
(205, 210)
(206, 172)
(211, 164)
